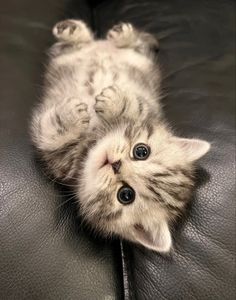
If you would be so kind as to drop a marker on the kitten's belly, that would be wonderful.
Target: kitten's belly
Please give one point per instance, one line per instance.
(100, 65)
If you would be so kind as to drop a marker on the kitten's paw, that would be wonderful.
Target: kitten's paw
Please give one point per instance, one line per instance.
(122, 35)
(72, 31)
(74, 114)
(81, 111)
(110, 103)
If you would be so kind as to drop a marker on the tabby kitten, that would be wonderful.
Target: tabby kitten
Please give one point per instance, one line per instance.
(99, 126)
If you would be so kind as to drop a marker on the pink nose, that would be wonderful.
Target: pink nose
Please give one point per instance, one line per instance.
(116, 166)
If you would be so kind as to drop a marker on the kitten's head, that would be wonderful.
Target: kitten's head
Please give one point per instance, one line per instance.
(136, 180)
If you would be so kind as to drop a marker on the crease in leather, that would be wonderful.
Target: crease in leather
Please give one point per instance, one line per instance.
(127, 281)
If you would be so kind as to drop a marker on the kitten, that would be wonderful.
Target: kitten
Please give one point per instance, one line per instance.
(100, 126)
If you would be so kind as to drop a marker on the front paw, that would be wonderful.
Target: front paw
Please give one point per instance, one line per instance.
(110, 103)
(74, 114)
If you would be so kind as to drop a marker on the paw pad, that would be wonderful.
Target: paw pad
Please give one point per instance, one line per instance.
(64, 28)
(72, 31)
(122, 34)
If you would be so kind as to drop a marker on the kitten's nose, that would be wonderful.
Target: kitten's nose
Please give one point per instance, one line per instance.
(116, 166)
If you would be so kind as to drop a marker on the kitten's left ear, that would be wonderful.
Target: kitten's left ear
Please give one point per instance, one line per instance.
(194, 149)
(157, 239)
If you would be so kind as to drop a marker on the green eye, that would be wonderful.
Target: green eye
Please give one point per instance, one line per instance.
(141, 151)
(126, 195)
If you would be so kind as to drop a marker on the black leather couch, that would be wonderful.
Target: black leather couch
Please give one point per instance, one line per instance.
(44, 252)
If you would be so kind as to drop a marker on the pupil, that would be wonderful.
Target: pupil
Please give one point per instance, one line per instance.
(141, 151)
(126, 194)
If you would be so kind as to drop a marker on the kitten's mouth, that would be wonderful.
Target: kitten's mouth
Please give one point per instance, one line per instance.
(105, 161)
(114, 165)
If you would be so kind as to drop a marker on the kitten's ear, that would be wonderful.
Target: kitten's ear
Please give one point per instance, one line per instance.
(157, 239)
(194, 149)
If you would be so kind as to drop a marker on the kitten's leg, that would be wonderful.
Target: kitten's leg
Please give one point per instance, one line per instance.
(60, 124)
(115, 103)
(72, 32)
(59, 133)
(125, 35)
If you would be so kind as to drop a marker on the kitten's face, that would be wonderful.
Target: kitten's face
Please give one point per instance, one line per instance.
(135, 180)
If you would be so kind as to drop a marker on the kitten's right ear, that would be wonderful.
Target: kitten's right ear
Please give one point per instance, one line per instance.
(157, 239)
(194, 149)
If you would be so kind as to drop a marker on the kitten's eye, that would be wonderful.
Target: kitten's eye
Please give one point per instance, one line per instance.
(126, 195)
(141, 151)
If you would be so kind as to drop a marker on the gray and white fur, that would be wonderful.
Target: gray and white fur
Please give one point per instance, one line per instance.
(101, 99)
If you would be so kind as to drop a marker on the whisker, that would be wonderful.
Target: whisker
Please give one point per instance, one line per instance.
(54, 180)
(64, 202)
(61, 195)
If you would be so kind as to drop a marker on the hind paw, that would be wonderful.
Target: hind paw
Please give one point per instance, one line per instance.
(72, 31)
(122, 35)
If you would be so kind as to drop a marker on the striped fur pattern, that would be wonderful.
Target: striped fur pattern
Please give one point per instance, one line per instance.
(101, 98)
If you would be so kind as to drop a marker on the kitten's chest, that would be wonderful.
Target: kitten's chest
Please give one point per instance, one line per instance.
(95, 75)
(97, 67)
